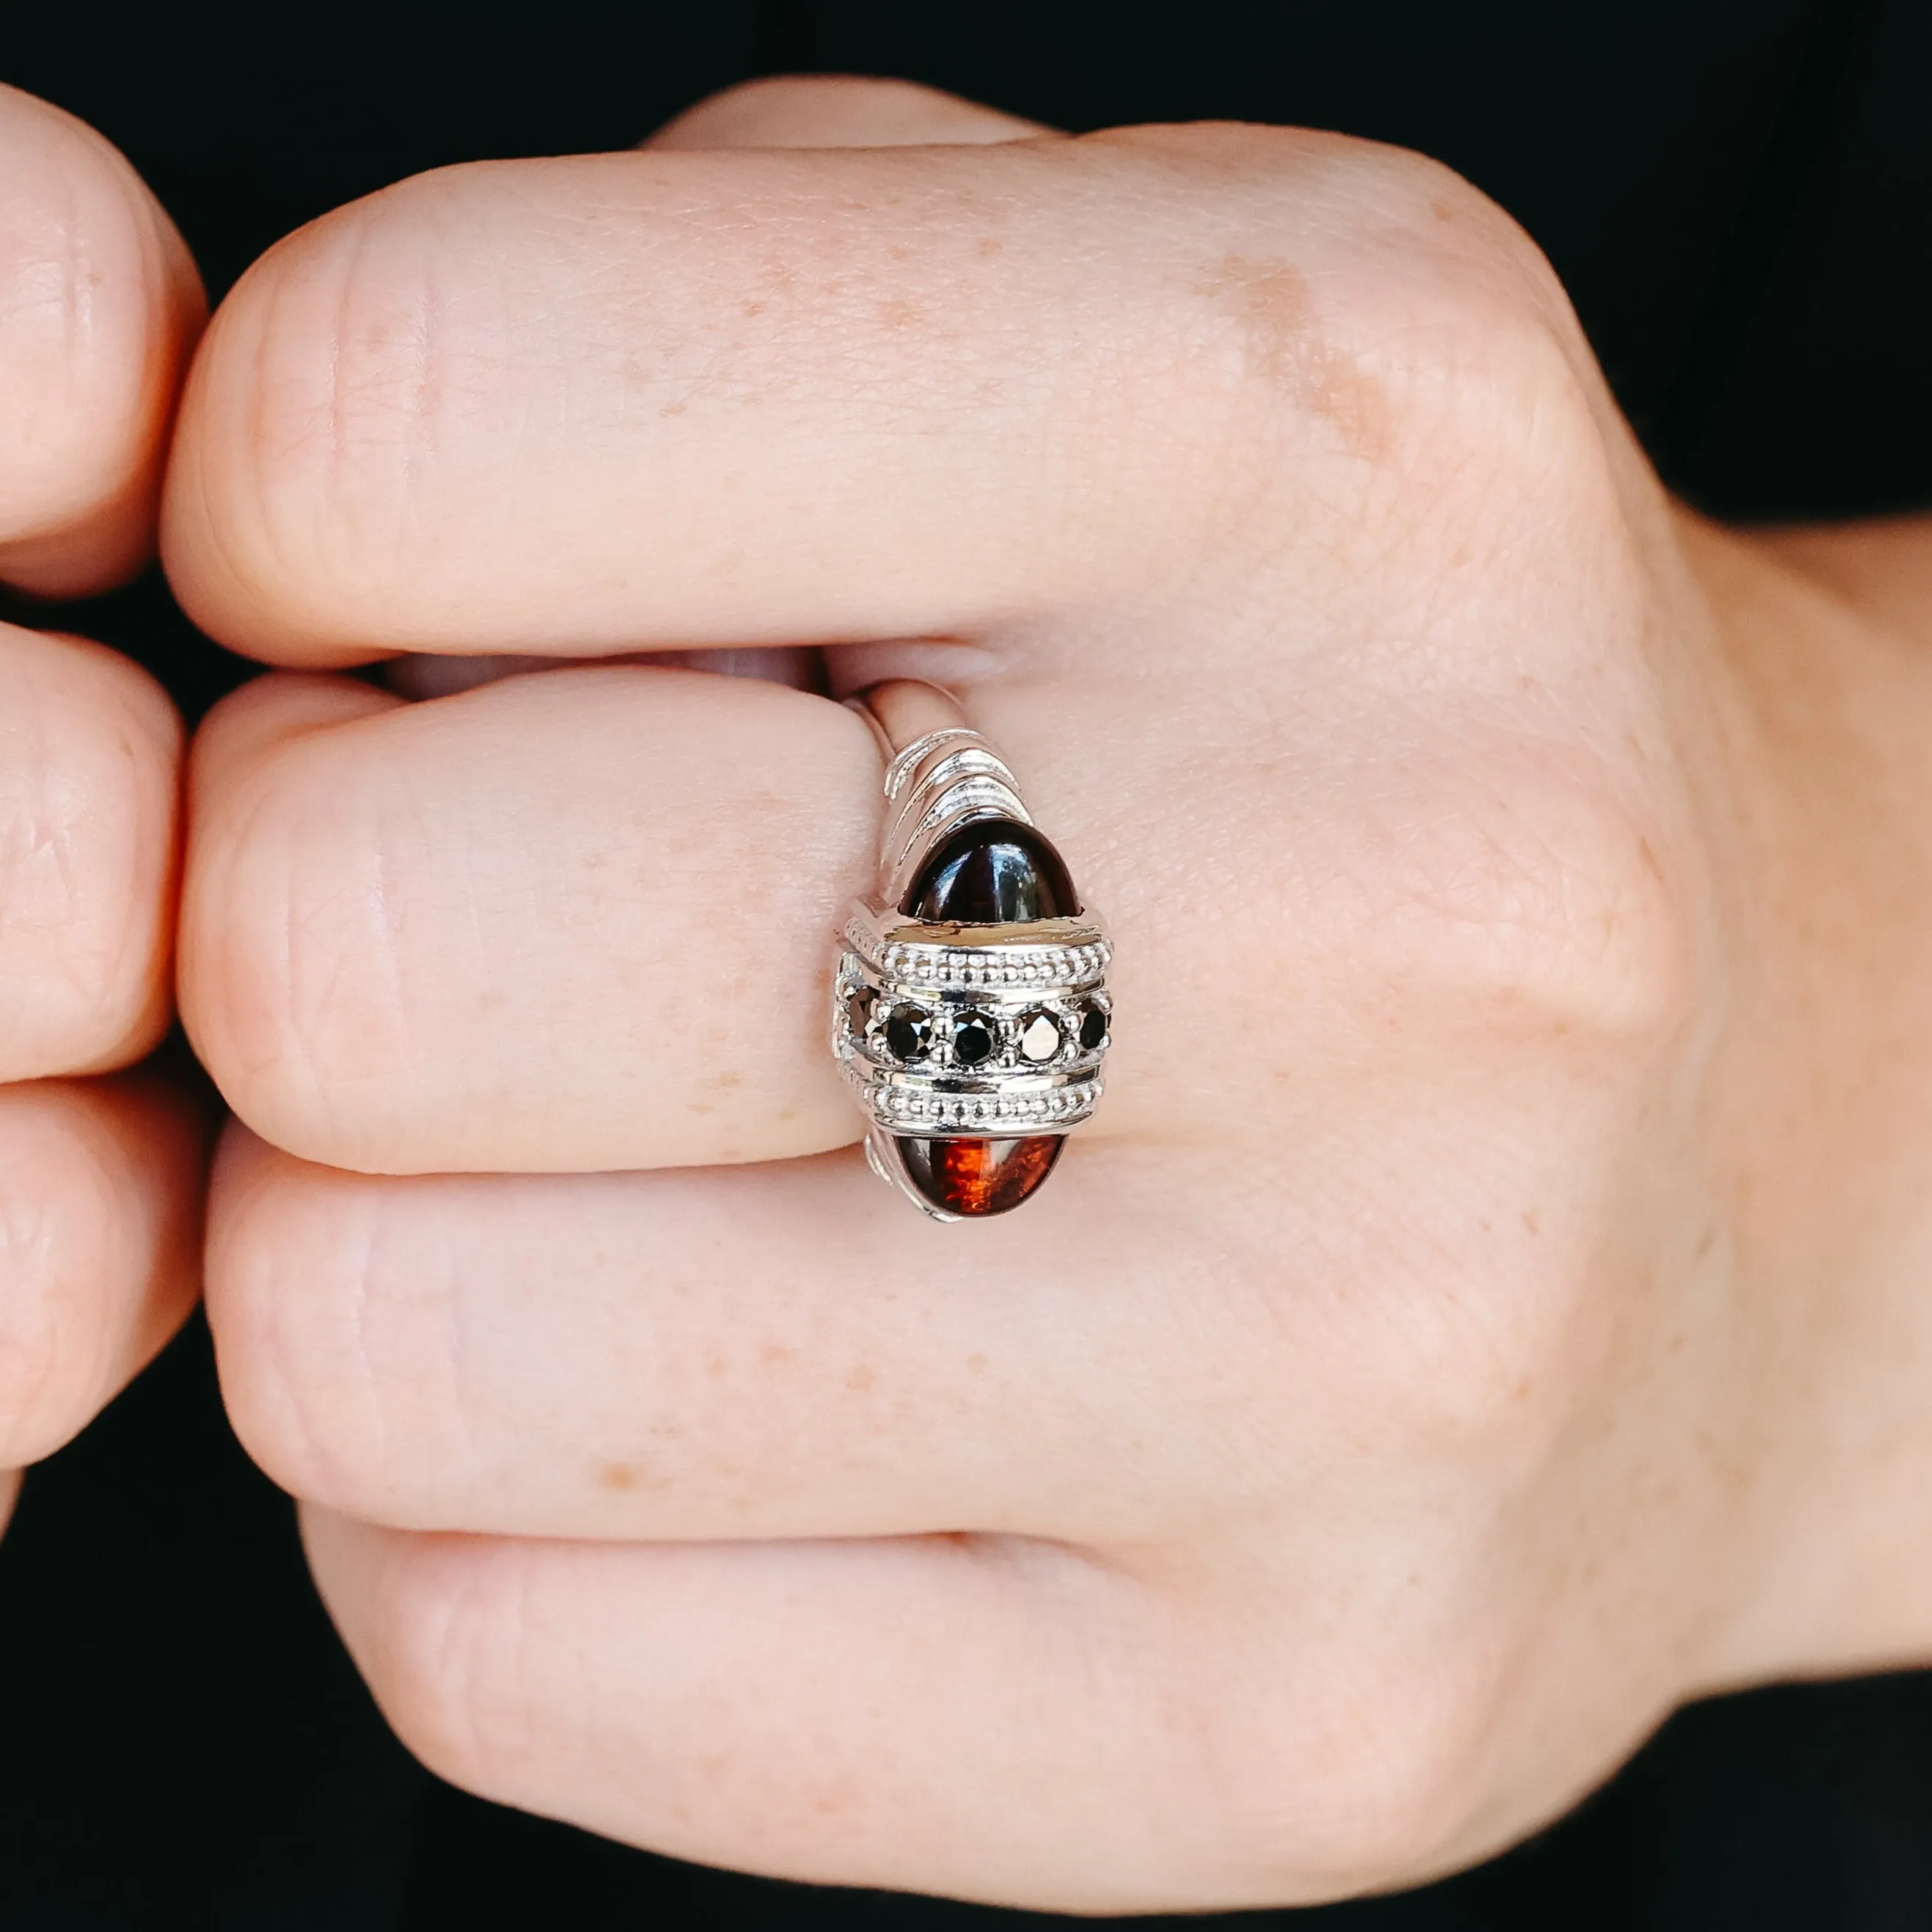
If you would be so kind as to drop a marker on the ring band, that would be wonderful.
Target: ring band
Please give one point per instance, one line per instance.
(971, 1014)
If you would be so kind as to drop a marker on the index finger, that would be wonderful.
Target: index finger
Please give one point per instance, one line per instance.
(737, 397)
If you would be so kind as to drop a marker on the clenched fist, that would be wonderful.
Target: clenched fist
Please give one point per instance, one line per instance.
(1486, 1309)
(99, 1178)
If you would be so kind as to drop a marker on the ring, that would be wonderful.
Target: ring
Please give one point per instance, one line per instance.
(971, 1014)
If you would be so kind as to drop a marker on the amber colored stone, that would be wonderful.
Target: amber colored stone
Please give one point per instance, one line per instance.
(994, 871)
(979, 1177)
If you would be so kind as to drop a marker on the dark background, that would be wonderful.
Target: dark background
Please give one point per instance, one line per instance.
(1738, 195)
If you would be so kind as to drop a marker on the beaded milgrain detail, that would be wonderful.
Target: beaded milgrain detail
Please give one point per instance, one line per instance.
(983, 1040)
(1069, 952)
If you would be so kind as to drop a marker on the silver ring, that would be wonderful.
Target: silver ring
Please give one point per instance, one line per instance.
(971, 1014)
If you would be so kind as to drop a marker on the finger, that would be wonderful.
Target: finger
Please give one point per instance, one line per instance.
(90, 753)
(574, 920)
(99, 305)
(100, 1228)
(581, 919)
(841, 1713)
(799, 111)
(838, 110)
(985, 1718)
(802, 398)
(725, 1353)
(780, 1350)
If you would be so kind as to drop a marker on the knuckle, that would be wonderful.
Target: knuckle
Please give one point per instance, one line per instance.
(775, 105)
(1379, 307)
(1544, 898)
(1530, 983)
(1433, 260)
(1387, 1774)
(1485, 889)
(831, 110)
(333, 1331)
(330, 378)
(62, 1211)
(1428, 205)
(1487, 1371)
(293, 989)
(1405, 1786)
(453, 1644)
(80, 263)
(88, 753)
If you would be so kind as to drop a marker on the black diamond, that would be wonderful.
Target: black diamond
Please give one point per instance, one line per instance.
(1092, 1026)
(1040, 1037)
(858, 1011)
(974, 1039)
(909, 1032)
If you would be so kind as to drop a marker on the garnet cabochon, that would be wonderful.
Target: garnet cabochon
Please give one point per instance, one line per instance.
(978, 1177)
(995, 871)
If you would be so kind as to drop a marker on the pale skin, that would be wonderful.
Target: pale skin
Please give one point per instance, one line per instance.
(100, 1170)
(1489, 1309)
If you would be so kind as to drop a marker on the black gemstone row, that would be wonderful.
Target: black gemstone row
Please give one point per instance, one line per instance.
(913, 1034)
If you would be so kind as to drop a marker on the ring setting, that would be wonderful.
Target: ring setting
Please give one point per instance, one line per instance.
(971, 1014)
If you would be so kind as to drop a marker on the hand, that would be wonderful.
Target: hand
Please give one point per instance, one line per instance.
(100, 1178)
(1485, 1311)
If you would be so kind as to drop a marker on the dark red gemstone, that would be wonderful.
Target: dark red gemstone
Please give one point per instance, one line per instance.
(979, 1177)
(994, 871)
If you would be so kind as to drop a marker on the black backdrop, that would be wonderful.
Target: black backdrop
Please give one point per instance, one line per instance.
(1739, 194)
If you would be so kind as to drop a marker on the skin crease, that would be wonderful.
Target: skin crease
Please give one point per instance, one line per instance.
(1487, 1309)
(101, 1171)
